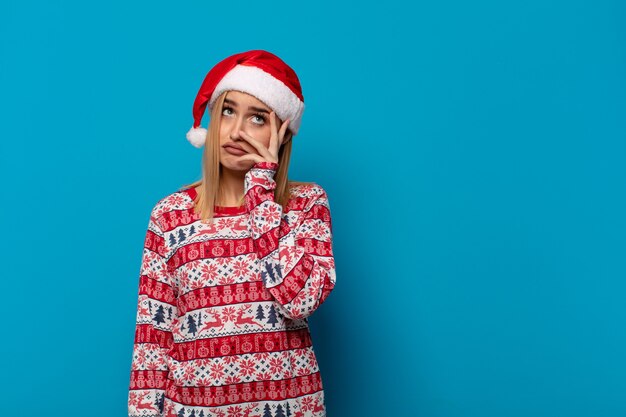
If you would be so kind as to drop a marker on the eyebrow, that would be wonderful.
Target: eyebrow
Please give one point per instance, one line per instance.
(259, 109)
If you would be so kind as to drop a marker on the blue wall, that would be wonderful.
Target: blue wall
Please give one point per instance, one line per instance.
(474, 154)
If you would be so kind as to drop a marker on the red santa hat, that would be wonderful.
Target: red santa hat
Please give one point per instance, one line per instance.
(258, 73)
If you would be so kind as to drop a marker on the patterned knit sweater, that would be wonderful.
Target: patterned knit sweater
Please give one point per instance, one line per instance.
(222, 326)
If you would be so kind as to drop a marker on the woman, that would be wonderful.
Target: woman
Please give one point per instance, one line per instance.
(234, 264)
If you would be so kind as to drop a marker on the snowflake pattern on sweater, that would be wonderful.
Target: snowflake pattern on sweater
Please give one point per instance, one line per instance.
(222, 314)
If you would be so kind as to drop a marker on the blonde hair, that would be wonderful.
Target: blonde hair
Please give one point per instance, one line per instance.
(207, 193)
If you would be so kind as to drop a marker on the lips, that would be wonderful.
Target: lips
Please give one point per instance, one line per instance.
(234, 149)
(232, 145)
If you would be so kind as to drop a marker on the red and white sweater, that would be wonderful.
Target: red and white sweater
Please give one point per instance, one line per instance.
(222, 312)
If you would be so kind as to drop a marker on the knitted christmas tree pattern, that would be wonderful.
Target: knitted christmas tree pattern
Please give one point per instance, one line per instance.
(222, 314)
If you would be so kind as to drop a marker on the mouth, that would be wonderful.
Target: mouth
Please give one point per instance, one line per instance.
(234, 149)
(233, 146)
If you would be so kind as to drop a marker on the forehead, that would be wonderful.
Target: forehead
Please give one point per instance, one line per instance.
(244, 99)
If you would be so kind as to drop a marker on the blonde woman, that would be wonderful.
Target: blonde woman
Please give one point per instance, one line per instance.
(235, 263)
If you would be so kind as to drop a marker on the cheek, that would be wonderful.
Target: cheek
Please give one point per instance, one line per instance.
(223, 125)
(265, 136)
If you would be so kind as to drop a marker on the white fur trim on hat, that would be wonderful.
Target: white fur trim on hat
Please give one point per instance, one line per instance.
(273, 92)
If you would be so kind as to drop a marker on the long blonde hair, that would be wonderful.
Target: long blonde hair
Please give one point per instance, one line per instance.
(207, 193)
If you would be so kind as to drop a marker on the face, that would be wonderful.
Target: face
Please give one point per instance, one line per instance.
(242, 111)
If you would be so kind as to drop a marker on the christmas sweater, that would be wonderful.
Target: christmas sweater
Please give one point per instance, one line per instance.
(222, 314)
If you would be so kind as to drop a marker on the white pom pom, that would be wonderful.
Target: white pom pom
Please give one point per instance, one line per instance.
(196, 136)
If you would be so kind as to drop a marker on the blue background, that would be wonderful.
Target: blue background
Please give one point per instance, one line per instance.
(474, 154)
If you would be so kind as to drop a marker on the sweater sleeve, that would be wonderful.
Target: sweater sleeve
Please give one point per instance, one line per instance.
(297, 263)
(156, 311)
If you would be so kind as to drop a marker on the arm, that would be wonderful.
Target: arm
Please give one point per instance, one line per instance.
(297, 263)
(156, 311)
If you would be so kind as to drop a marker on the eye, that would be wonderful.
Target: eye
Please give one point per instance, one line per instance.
(260, 117)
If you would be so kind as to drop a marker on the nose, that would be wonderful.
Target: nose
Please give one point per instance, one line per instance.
(236, 127)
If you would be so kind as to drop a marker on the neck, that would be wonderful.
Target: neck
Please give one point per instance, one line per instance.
(231, 190)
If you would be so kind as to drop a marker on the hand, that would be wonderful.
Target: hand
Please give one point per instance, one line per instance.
(276, 140)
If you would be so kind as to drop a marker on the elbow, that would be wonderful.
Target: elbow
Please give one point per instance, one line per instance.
(311, 297)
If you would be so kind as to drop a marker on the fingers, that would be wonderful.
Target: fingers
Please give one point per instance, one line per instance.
(251, 157)
(273, 123)
(280, 135)
(273, 134)
(248, 147)
(260, 148)
(276, 140)
(283, 129)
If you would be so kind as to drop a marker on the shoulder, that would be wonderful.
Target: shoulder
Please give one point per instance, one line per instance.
(306, 190)
(308, 194)
(177, 200)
